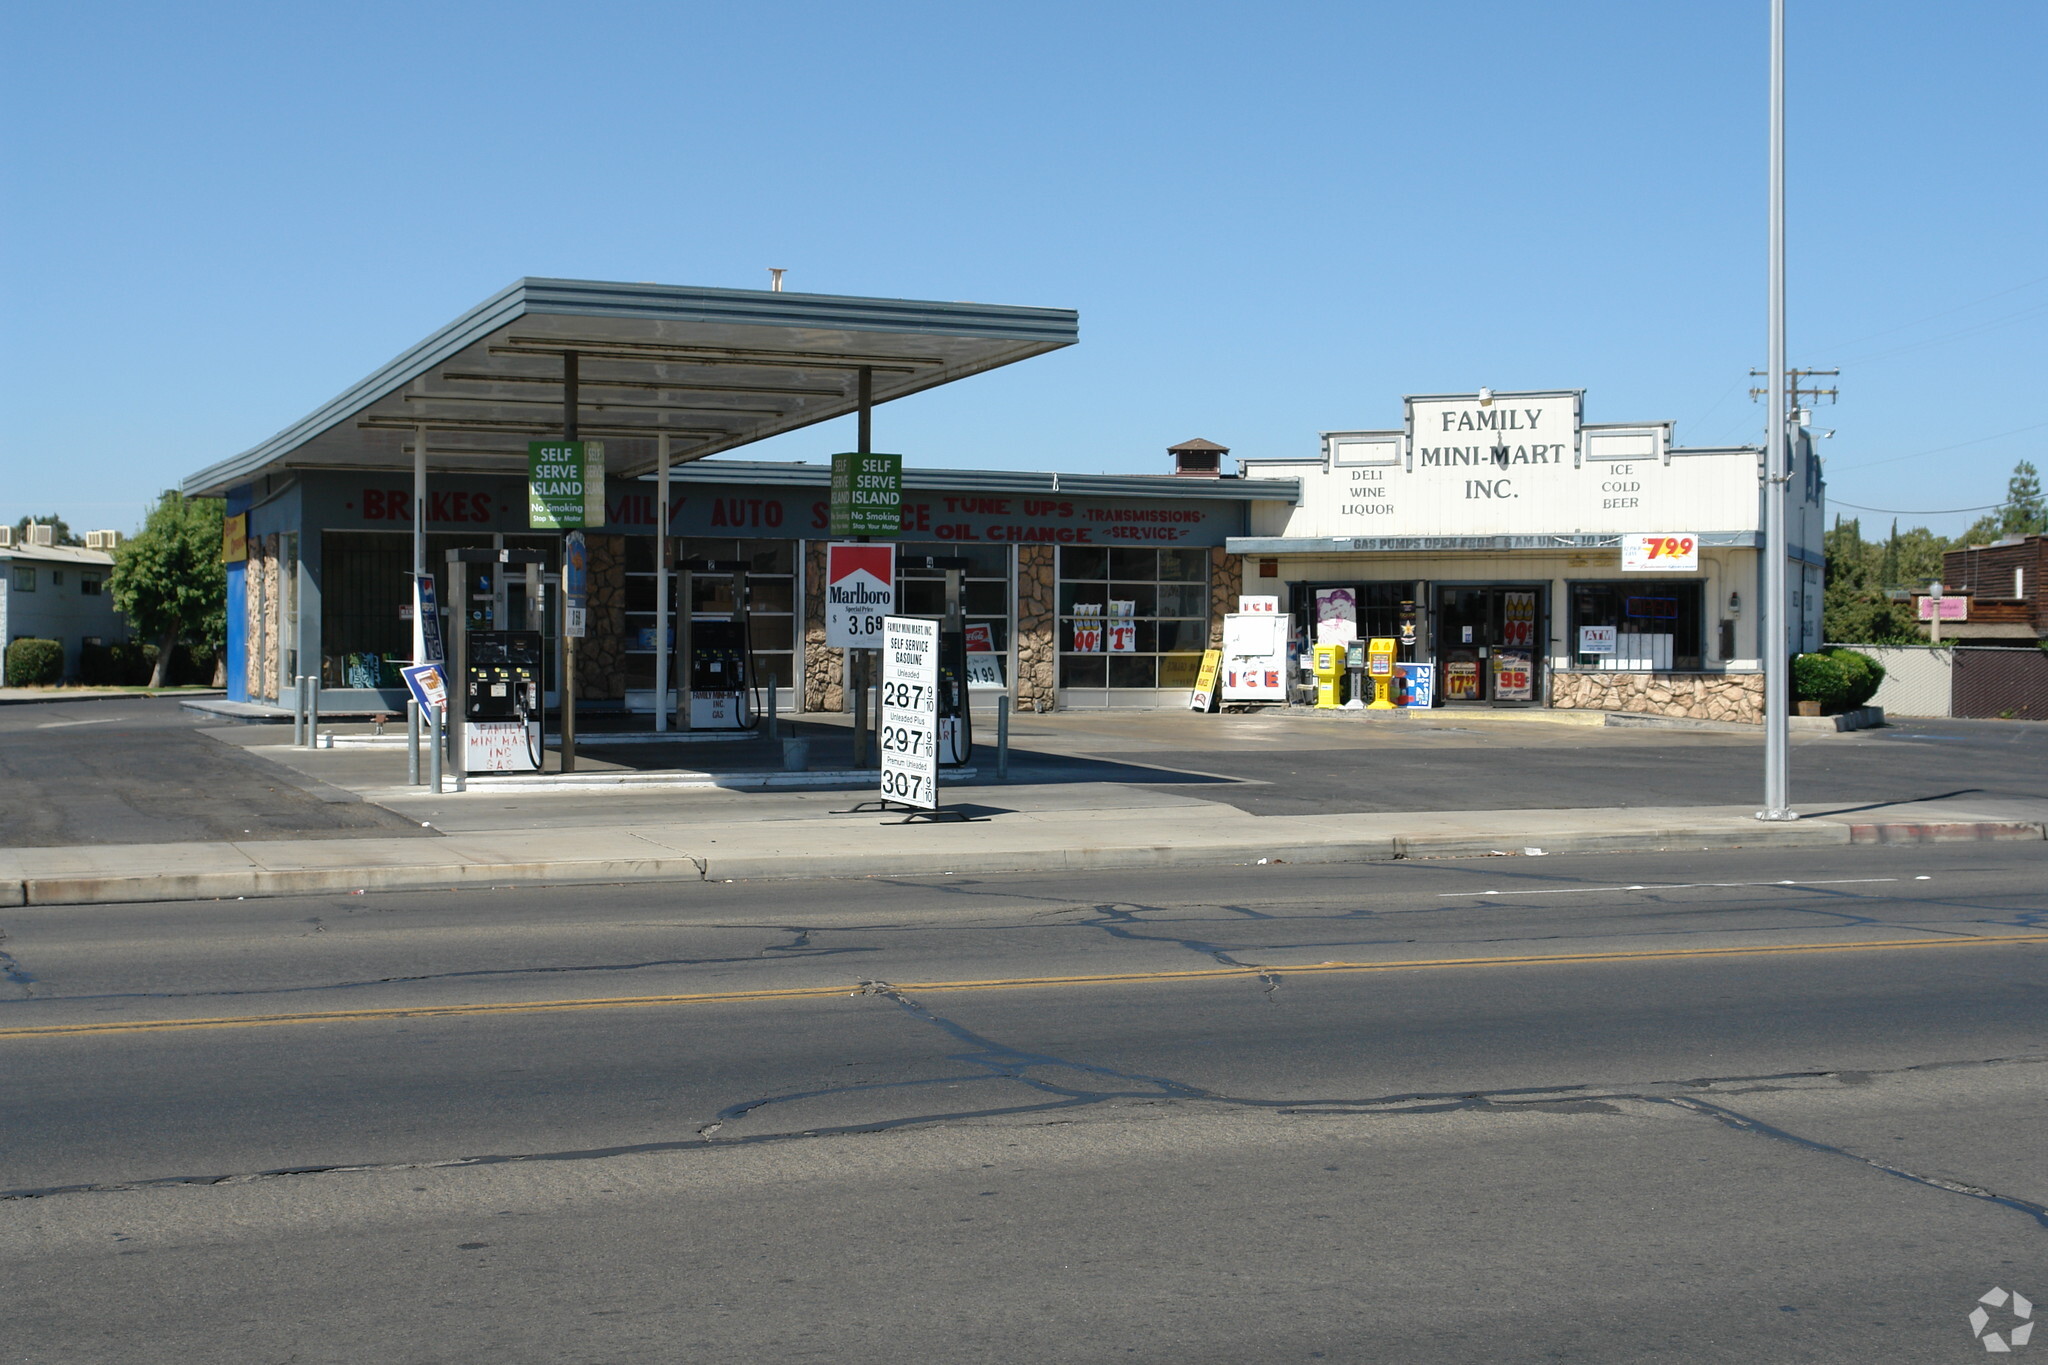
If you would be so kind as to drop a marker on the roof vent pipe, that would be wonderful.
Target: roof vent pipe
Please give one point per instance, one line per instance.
(775, 273)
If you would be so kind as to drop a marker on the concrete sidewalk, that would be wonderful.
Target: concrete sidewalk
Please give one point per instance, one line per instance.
(1020, 834)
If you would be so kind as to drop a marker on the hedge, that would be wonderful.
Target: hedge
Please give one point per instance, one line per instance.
(34, 663)
(1839, 679)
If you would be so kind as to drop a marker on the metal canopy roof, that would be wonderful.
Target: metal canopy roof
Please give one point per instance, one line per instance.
(714, 368)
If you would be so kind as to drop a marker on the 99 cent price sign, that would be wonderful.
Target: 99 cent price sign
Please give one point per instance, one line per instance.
(910, 711)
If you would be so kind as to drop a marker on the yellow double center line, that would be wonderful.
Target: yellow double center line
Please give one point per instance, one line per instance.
(1015, 983)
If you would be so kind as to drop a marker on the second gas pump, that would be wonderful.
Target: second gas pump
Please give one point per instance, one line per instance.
(956, 717)
(718, 671)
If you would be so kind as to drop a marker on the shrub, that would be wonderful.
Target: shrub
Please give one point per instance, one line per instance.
(1821, 678)
(121, 664)
(34, 663)
(1863, 674)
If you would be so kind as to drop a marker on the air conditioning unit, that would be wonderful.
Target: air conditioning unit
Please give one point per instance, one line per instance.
(6, 537)
(40, 533)
(102, 540)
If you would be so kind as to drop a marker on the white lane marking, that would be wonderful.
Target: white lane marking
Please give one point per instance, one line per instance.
(1671, 886)
(57, 724)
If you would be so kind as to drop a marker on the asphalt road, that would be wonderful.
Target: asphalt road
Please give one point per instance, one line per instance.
(138, 771)
(1728, 1107)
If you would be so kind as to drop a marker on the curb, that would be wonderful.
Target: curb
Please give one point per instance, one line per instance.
(1979, 831)
(259, 882)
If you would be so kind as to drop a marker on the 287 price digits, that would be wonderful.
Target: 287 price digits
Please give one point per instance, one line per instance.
(904, 695)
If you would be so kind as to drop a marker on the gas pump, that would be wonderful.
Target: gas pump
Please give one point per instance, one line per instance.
(956, 716)
(718, 673)
(497, 676)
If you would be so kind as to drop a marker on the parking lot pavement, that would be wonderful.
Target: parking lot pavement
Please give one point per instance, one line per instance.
(139, 770)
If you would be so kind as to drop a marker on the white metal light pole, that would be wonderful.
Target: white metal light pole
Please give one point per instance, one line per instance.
(1776, 637)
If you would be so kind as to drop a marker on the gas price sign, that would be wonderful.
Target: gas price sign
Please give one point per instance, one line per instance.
(860, 592)
(1660, 552)
(910, 711)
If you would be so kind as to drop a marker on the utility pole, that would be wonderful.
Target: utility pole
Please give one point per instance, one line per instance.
(1777, 725)
(1793, 389)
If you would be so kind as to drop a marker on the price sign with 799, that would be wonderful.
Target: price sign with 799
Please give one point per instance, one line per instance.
(910, 711)
(1660, 552)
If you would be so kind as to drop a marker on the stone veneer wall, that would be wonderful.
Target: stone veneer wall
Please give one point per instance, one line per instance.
(1694, 696)
(601, 653)
(260, 611)
(1037, 629)
(824, 667)
(1226, 581)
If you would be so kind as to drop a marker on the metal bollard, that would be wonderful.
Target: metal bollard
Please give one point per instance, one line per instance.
(434, 760)
(312, 710)
(773, 733)
(412, 742)
(1003, 739)
(299, 711)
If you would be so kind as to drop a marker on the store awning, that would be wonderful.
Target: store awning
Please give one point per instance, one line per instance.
(715, 369)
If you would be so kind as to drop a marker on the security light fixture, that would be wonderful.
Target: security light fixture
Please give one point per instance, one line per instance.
(1486, 398)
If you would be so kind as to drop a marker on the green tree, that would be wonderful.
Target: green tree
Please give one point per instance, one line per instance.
(2023, 513)
(169, 580)
(1856, 607)
(63, 527)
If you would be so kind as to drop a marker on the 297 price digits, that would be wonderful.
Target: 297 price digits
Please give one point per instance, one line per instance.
(901, 739)
(908, 696)
(908, 786)
(1669, 547)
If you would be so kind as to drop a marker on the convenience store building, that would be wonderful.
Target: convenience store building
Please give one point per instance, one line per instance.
(1498, 522)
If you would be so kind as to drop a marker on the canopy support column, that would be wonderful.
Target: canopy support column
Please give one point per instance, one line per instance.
(661, 570)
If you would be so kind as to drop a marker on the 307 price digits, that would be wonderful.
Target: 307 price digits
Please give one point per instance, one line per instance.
(904, 786)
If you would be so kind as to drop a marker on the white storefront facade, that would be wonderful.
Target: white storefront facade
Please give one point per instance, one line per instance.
(1491, 527)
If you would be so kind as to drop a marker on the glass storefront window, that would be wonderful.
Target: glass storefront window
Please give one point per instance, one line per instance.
(366, 600)
(1656, 625)
(771, 602)
(1132, 618)
(984, 592)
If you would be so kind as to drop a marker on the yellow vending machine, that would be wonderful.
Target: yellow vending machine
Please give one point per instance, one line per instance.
(1329, 669)
(1379, 666)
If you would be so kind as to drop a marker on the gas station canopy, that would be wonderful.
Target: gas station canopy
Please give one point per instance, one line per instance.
(714, 369)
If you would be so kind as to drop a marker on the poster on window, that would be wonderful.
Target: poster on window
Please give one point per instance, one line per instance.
(1336, 616)
(1086, 629)
(1461, 680)
(1123, 627)
(1518, 619)
(1417, 685)
(1514, 675)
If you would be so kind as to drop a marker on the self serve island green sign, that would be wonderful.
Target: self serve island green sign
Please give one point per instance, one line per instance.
(564, 485)
(867, 494)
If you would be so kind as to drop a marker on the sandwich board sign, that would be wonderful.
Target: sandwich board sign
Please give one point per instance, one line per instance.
(860, 591)
(910, 711)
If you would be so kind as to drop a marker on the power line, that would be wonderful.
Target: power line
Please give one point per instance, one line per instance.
(1946, 312)
(1915, 511)
(1893, 459)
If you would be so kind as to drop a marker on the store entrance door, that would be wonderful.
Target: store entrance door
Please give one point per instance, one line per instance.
(1490, 641)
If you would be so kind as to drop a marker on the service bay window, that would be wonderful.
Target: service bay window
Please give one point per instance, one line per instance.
(1650, 625)
(1132, 618)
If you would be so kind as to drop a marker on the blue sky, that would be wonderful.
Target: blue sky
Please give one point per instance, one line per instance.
(1274, 220)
